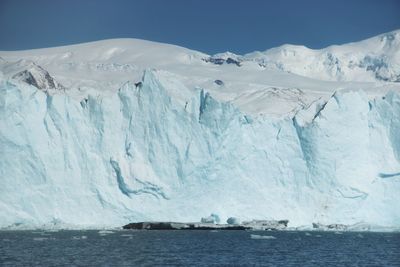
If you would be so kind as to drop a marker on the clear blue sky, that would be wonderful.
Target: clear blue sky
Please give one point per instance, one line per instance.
(206, 25)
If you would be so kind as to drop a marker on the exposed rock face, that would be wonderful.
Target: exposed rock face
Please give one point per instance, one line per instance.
(37, 76)
(266, 224)
(233, 224)
(219, 82)
(153, 226)
(220, 60)
(335, 226)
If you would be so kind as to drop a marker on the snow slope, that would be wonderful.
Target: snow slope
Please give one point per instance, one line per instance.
(373, 59)
(109, 132)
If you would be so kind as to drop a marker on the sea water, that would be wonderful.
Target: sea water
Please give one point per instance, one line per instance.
(188, 248)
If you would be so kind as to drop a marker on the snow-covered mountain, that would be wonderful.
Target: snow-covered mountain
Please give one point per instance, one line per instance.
(109, 132)
(374, 59)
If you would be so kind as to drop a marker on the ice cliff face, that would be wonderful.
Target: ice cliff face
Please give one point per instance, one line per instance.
(164, 149)
(139, 155)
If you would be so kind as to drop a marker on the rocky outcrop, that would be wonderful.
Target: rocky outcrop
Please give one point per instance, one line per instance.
(266, 224)
(251, 225)
(334, 227)
(40, 78)
(182, 226)
(220, 60)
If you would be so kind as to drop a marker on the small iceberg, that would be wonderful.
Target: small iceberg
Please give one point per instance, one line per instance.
(127, 235)
(262, 236)
(52, 230)
(43, 238)
(105, 232)
(213, 218)
(79, 237)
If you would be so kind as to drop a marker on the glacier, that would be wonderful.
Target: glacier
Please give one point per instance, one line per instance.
(168, 144)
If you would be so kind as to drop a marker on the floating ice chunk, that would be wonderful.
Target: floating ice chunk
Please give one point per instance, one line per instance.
(126, 235)
(105, 232)
(79, 237)
(233, 220)
(213, 218)
(252, 236)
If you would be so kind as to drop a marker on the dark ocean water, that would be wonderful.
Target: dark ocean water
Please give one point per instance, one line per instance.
(198, 248)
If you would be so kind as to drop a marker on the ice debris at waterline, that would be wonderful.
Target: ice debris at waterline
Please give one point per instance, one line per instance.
(140, 131)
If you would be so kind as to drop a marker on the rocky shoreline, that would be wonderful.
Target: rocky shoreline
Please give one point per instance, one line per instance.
(250, 225)
(254, 225)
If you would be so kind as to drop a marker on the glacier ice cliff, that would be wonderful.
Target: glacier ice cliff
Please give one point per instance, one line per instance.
(138, 154)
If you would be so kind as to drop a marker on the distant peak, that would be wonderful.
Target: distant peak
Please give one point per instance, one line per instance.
(37, 76)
